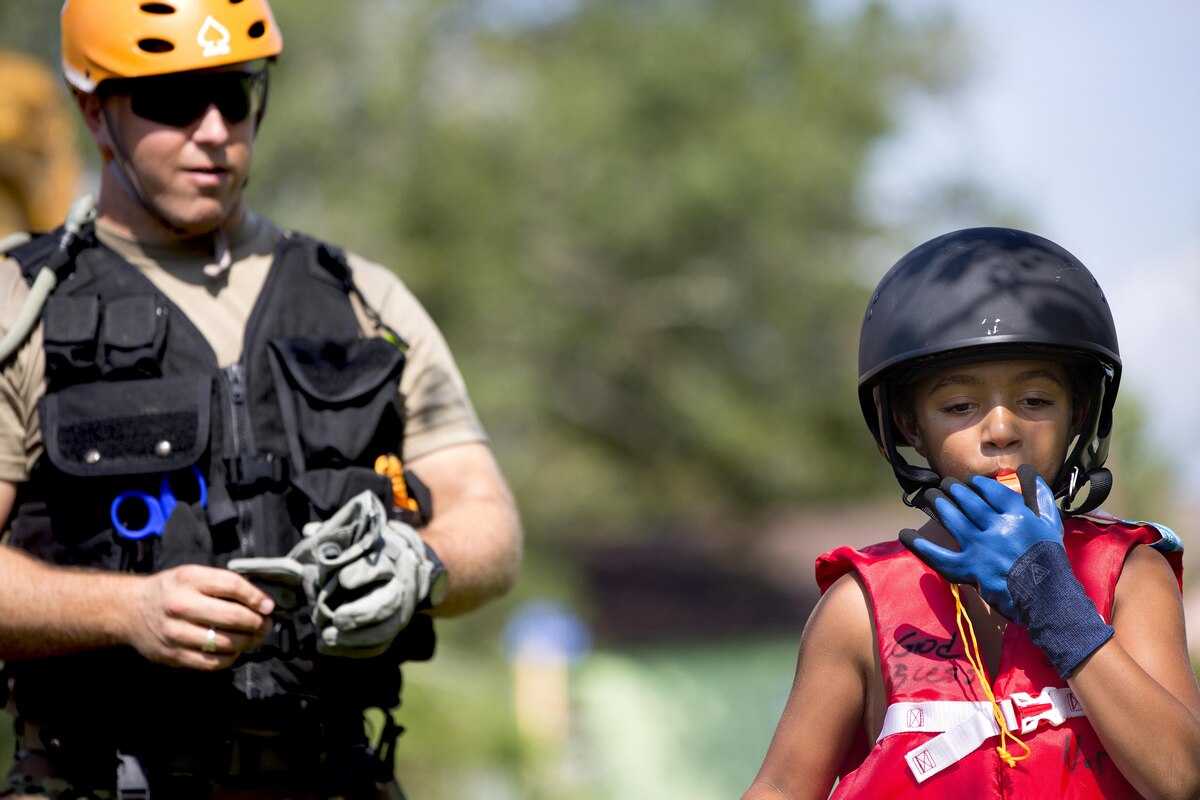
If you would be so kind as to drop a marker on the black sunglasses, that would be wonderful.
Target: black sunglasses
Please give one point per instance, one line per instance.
(182, 98)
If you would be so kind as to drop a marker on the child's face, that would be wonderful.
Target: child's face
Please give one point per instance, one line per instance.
(989, 418)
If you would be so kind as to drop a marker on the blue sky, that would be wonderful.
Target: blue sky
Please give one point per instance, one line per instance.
(1086, 116)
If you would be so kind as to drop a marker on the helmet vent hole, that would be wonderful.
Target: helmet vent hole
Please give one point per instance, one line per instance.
(234, 2)
(256, 30)
(155, 45)
(157, 8)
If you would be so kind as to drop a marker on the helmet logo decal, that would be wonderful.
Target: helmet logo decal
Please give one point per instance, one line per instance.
(214, 38)
(995, 327)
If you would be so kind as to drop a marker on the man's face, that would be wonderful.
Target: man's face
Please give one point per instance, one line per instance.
(989, 418)
(189, 139)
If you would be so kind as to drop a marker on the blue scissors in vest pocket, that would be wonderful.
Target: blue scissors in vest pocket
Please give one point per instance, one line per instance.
(136, 515)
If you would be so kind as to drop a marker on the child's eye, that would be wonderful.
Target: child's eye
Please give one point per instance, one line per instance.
(957, 408)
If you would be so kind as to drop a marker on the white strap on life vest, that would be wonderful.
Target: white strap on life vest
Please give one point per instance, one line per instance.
(963, 725)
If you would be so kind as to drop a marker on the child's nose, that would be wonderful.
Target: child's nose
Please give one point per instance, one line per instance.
(1001, 427)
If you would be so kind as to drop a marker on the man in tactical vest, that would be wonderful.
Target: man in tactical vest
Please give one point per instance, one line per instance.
(217, 560)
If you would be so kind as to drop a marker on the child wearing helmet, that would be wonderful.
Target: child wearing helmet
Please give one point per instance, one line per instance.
(1020, 643)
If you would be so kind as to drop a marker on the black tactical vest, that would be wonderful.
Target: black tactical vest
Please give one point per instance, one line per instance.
(284, 437)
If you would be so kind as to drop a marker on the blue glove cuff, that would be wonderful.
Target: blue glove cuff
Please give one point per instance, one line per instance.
(1052, 605)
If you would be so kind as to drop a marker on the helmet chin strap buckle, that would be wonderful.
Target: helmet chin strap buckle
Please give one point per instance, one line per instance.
(918, 501)
(1099, 482)
(1072, 484)
(914, 481)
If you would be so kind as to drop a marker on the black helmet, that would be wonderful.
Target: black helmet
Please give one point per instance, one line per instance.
(990, 293)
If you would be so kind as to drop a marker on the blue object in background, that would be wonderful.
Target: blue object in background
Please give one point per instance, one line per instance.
(545, 629)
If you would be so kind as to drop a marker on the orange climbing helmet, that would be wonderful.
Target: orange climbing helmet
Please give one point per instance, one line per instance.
(103, 39)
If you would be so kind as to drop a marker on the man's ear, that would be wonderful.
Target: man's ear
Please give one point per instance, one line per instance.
(908, 426)
(91, 108)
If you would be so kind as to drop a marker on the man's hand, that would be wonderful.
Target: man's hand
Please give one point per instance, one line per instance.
(175, 609)
(47, 610)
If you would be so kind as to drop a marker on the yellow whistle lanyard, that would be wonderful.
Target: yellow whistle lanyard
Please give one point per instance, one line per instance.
(975, 659)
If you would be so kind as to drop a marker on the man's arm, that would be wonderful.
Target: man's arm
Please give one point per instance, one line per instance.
(47, 610)
(475, 528)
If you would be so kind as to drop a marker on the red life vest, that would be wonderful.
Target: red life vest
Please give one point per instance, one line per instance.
(924, 665)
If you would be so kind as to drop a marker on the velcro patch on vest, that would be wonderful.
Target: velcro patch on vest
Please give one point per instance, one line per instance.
(127, 427)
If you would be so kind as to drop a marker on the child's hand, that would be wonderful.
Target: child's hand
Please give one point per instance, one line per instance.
(1011, 550)
(994, 527)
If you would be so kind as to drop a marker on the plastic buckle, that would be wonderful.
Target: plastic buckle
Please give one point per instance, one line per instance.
(131, 779)
(251, 471)
(1024, 711)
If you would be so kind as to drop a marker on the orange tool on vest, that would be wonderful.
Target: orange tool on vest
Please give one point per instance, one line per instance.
(393, 468)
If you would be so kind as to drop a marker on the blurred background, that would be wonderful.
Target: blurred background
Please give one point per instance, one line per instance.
(648, 230)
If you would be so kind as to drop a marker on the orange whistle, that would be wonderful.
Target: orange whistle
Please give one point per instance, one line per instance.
(1010, 480)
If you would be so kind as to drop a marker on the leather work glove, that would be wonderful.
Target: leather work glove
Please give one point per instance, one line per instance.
(363, 575)
(1011, 550)
(364, 599)
(284, 578)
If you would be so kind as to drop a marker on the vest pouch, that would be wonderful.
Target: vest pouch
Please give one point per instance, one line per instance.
(327, 490)
(132, 335)
(186, 539)
(101, 440)
(70, 332)
(137, 427)
(339, 401)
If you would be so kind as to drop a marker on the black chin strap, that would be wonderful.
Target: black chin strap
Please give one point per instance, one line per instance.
(123, 170)
(1099, 482)
(1090, 447)
(913, 480)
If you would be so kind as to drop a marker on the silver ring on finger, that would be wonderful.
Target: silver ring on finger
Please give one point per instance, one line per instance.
(210, 641)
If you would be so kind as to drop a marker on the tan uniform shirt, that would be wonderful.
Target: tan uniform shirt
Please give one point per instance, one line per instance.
(439, 411)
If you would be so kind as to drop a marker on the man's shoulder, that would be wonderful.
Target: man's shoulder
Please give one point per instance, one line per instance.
(365, 270)
(382, 290)
(14, 288)
(381, 285)
(22, 248)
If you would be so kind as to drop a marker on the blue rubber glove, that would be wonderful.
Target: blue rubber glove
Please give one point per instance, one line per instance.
(1011, 550)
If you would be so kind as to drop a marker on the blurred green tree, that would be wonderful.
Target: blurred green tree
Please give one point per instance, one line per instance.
(638, 224)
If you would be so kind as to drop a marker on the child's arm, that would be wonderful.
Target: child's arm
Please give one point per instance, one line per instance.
(1139, 689)
(827, 701)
